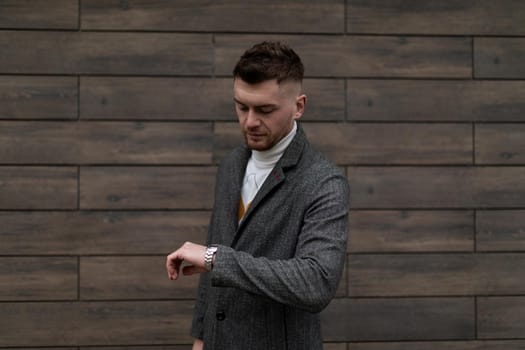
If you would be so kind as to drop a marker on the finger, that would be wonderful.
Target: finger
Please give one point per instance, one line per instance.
(173, 266)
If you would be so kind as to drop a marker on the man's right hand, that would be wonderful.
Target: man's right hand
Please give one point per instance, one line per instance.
(197, 344)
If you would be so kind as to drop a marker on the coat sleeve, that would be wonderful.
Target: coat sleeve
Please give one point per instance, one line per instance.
(197, 325)
(308, 280)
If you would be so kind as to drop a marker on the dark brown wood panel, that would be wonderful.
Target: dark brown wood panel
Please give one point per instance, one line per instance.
(439, 345)
(145, 143)
(54, 14)
(147, 187)
(410, 231)
(435, 100)
(156, 98)
(105, 143)
(501, 230)
(436, 274)
(152, 347)
(135, 323)
(501, 317)
(99, 233)
(437, 187)
(334, 346)
(211, 99)
(361, 56)
(500, 144)
(399, 319)
(24, 97)
(134, 278)
(393, 143)
(149, 347)
(47, 348)
(227, 136)
(200, 15)
(94, 323)
(448, 17)
(38, 188)
(105, 53)
(47, 323)
(347, 144)
(325, 100)
(499, 58)
(36, 278)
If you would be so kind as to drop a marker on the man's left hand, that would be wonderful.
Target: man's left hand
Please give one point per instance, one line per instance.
(189, 252)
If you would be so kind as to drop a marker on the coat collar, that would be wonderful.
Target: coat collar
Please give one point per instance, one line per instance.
(289, 159)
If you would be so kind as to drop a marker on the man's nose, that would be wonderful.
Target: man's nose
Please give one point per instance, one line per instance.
(252, 119)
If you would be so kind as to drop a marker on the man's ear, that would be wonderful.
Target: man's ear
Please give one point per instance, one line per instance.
(300, 104)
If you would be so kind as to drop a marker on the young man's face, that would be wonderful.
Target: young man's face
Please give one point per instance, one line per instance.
(266, 110)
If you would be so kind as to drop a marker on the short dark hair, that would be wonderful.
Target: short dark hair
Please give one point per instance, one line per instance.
(269, 60)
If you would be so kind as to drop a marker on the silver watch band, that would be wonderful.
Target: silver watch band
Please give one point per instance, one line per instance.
(208, 257)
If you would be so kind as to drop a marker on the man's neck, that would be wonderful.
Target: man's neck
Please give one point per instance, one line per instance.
(272, 155)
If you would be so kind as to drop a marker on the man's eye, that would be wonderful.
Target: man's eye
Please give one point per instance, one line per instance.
(266, 111)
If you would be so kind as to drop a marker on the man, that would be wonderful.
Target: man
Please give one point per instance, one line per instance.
(277, 238)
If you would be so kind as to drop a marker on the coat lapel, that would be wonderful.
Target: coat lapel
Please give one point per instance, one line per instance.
(234, 194)
(278, 174)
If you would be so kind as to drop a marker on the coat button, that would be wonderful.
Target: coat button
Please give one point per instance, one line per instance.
(220, 316)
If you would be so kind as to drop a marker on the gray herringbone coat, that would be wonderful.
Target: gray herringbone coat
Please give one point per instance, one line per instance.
(276, 270)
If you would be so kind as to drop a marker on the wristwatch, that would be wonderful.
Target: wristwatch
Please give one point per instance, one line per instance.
(208, 257)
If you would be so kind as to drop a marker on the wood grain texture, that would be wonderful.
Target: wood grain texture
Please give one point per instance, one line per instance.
(147, 187)
(436, 274)
(105, 143)
(334, 346)
(38, 188)
(54, 14)
(393, 143)
(435, 100)
(156, 98)
(501, 230)
(201, 15)
(437, 187)
(449, 17)
(37, 278)
(349, 144)
(226, 136)
(501, 317)
(24, 97)
(95, 323)
(397, 319)
(436, 345)
(100, 233)
(500, 144)
(499, 58)
(152, 347)
(410, 231)
(211, 99)
(60, 348)
(361, 56)
(105, 53)
(128, 277)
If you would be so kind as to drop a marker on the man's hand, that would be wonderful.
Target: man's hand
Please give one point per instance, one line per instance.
(191, 253)
(197, 345)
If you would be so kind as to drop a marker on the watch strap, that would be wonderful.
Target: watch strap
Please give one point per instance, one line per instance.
(208, 257)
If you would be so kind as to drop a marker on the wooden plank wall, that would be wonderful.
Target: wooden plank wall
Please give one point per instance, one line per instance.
(115, 114)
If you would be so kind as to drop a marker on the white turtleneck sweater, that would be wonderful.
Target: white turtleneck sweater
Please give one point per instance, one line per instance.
(261, 164)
